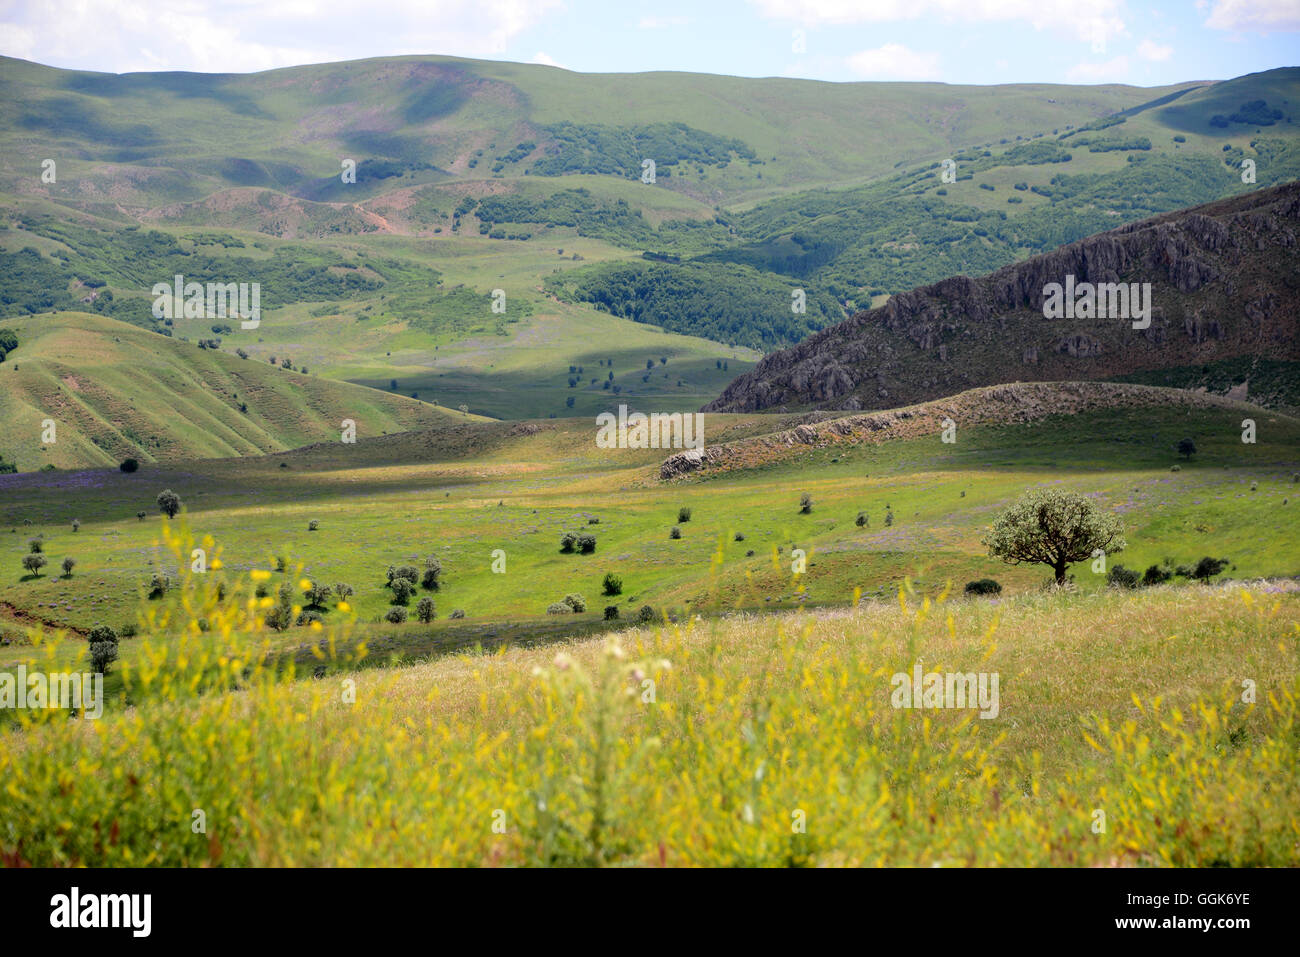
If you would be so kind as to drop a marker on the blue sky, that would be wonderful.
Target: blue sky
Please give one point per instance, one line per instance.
(952, 41)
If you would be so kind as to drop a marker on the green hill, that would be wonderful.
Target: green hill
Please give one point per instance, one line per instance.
(115, 391)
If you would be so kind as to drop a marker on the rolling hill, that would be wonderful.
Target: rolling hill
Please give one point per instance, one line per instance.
(116, 391)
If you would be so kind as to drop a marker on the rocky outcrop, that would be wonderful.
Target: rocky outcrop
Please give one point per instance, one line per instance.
(1225, 282)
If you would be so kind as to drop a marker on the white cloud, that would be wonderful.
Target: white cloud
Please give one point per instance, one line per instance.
(1261, 15)
(655, 23)
(1083, 18)
(545, 59)
(1149, 50)
(1110, 71)
(893, 61)
(244, 35)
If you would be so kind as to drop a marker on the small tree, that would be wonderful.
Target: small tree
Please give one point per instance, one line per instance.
(586, 543)
(424, 609)
(402, 591)
(675, 532)
(1208, 567)
(805, 504)
(432, 572)
(140, 515)
(567, 541)
(68, 564)
(889, 517)
(129, 465)
(1186, 448)
(169, 503)
(1054, 527)
(343, 590)
(683, 516)
(612, 585)
(316, 595)
(862, 520)
(34, 563)
(103, 648)
(76, 525)
(36, 545)
(576, 602)
(611, 612)
(395, 615)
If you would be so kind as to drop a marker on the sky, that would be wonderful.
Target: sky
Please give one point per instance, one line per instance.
(950, 41)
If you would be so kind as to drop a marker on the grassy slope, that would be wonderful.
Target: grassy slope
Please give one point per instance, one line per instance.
(116, 391)
(461, 492)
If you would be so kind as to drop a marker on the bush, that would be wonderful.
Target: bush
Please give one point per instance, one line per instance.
(141, 514)
(68, 564)
(36, 546)
(129, 465)
(169, 503)
(76, 522)
(313, 525)
(34, 563)
(102, 633)
(1208, 567)
(889, 518)
(675, 532)
(1121, 577)
(458, 613)
(740, 536)
(127, 631)
(861, 520)
(567, 541)
(395, 615)
(402, 591)
(424, 610)
(612, 585)
(344, 591)
(432, 572)
(683, 515)
(1186, 448)
(558, 608)
(586, 543)
(611, 612)
(158, 585)
(406, 573)
(983, 586)
(805, 504)
(102, 654)
(306, 617)
(645, 615)
(280, 564)
(316, 595)
(1156, 575)
(576, 602)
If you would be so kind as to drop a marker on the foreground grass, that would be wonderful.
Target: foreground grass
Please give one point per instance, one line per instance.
(756, 740)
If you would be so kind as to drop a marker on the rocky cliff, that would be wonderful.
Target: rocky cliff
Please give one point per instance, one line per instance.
(1224, 283)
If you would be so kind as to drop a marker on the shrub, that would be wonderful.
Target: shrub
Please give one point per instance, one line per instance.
(645, 615)
(127, 631)
(169, 503)
(36, 546)
(407, 573)
(861, 520)
(101, 633)
(1208, 567)
(102, 654)
(805, 504)
(558, 608)
(1121, 577)
(76, 522)
(1156, 575)
(402, 591)
(306, 617)
(396, 615)
(740, 536)
(261, 591)
(458, 613)
(889, 517)
(158, 585)
(576, 602)
(344, 591)
(141, 514)
(567, 541)
(683, 515)
(68, 564)
(1175, 468)
(129, 465)
(611, 612)
(313, 525)
(1186, 448)
(612, 585)
(675, 532)
(316, 595)
(432, 571)
(424, 609)
(983, 586)
(586, 543)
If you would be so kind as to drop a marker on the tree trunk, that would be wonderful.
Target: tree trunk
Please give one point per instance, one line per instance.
(1059, 568)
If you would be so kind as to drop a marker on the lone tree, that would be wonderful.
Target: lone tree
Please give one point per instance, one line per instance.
(1054, 527)
(1186, 448)
(169, 503)
(34, 563)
